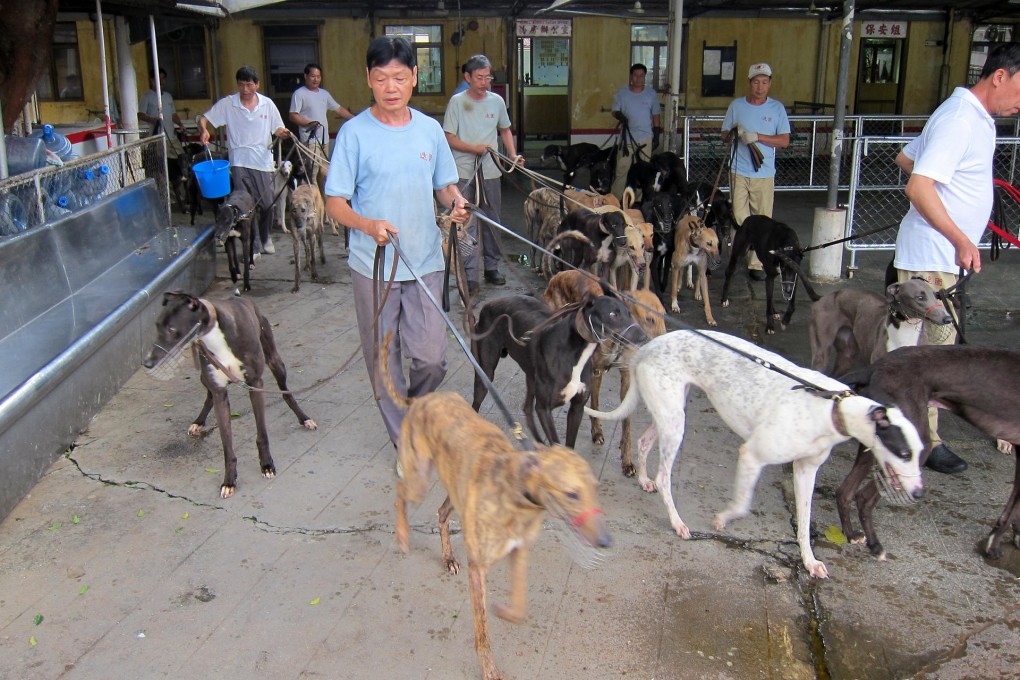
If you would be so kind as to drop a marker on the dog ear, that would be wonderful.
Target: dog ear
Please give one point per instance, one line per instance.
(879, 416)
(891, 292)
(530, 464)
(171, 294)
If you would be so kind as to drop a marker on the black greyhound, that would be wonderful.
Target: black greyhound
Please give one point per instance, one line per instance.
(777, 246)
(553, 349)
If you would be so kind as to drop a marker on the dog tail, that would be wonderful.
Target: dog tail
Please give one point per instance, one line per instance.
(384, 373)
(627, 404)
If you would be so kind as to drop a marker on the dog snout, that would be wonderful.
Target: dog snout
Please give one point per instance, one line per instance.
(918, 493)
(155, 354)
(635, 335)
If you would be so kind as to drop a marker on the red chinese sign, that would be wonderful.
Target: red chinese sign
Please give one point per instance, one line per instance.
(543, 28)
(884, 29)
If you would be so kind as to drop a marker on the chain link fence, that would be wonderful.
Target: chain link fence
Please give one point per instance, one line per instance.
(876, 192)
(805, 164)
(32, 199)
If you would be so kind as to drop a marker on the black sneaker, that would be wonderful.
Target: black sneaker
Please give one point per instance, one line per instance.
(494, 277)
(945, 461)
(756, 274)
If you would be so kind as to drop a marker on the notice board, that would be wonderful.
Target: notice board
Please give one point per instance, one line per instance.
(717, 70)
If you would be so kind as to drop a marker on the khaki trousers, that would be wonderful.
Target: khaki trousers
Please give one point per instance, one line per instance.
(751, 196)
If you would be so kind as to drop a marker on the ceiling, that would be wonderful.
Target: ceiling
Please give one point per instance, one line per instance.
(980, 10)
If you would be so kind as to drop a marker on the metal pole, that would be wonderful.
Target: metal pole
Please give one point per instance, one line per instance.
(155, 69)
(128, 81)
(846, 35)
(673, 66)
(102, 64)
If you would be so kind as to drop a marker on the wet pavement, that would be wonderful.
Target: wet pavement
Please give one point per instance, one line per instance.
(124, 562)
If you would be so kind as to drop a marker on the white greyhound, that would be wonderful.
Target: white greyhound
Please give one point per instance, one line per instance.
(779, 421)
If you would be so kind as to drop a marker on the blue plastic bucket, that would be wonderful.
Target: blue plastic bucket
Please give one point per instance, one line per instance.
(213, 178)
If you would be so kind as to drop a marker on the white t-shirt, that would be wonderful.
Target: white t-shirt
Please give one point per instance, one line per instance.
(955, 148)
(313, 106)
(249, 133)
(475, 122)
(147, 105)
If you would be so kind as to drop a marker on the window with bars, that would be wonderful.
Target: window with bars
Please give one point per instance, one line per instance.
(986, 37)
(182, 55)
(62, 81)
(427, 41)
(649, 45)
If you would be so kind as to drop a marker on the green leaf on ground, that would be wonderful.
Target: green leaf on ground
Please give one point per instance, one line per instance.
(168, 405)
(235, 414)
(75, 519)
(315, 601)
(55, 526)
(141, 513)
(834, 535)
(214, 470)
(32, 641)
(185, 516)
(84, 589)
(38, 619)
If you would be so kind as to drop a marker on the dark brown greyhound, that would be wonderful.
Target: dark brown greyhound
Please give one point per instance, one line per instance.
(975, 383)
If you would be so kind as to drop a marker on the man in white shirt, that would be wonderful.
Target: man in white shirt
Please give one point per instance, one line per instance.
(148, 111)
(252, 121)
(308, 107)
(950, 192)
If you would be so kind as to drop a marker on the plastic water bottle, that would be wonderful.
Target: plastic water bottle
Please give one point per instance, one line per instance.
(24, 154)
(56, 142)
(98, 182)
(59, 206)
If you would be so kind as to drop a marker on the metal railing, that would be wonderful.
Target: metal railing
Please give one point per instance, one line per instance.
(876, 191)
(34, 198)
(804, 165)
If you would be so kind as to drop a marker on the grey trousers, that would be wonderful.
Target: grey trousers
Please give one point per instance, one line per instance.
(260, 185)
(491, 250)
(419, 332)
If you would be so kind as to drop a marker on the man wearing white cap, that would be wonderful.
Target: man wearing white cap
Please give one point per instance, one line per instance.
(761, 125)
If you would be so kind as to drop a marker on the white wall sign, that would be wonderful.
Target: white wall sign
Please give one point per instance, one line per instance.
(884, 29)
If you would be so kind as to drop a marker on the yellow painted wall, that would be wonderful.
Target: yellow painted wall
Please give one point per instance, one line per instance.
(600, 51)
(599, 66)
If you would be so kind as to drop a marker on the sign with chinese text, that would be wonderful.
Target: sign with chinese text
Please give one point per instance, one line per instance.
(543, 28)
(884, 29)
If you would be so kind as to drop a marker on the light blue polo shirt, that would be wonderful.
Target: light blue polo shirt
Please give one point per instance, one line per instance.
(390, 173)
(766, 119)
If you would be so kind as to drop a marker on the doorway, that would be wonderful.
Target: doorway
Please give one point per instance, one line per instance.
(543, 86)
(880, 78)
(288, 50)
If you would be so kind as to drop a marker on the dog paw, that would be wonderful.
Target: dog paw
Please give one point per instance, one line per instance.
(310, 425)
(295, 289)
(857, 538)
(711, 322)
(816, 568)
(648, 485)
(770, 330)
(269, 471)
(675, 307)
(227, 490)
(507, 613)
(628, 469)
(725, 303)
(453, 566)
(681, 530)
(719, 522)
(597, 437)
(195, 430)
(1004, 446)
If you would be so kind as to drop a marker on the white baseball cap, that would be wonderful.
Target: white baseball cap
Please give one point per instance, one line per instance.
(759, 70)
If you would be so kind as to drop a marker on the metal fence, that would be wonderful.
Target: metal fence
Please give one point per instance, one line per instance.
(877, 199)
(31, 199)
(804, 165)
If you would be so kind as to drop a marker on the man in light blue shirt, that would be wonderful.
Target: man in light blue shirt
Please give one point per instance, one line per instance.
(761, 124)
(388, 163)
(638, 110)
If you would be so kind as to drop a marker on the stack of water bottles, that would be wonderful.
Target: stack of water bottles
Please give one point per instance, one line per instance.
(74, 189)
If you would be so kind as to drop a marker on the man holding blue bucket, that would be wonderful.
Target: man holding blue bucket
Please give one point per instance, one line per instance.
(251, 119)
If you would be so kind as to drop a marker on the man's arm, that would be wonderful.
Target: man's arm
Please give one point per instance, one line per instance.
(341, 211)
(450, 196)
(904, 162)
(344, 112)
(298, 119)
(921, 192)
(508, 141)
(203, 135)
(457, 144)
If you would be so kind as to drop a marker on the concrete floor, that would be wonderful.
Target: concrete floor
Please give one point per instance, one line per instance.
(124, 562)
